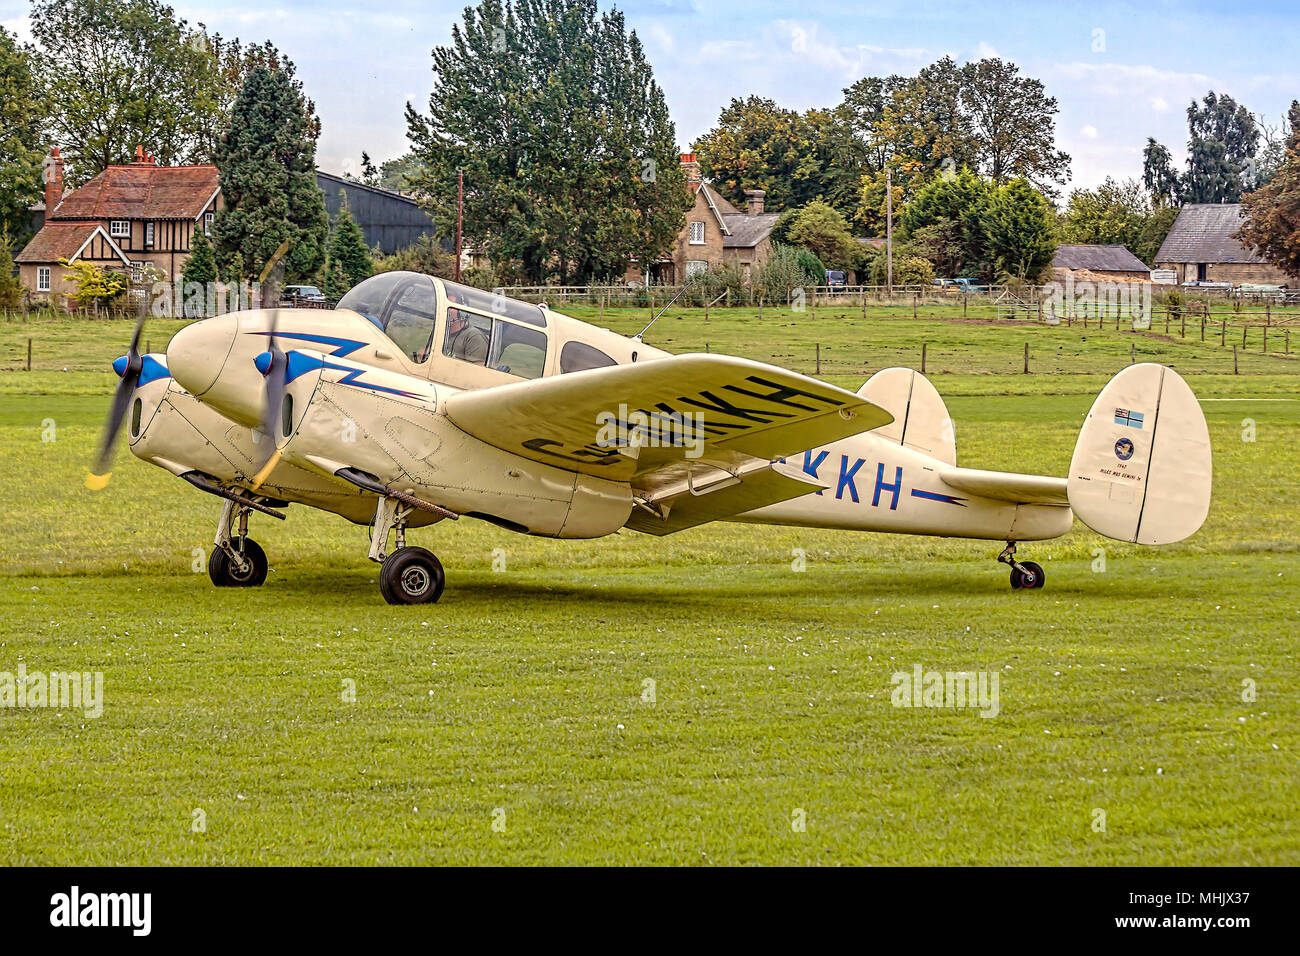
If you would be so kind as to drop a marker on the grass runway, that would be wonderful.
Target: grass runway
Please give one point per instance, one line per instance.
(675, 700)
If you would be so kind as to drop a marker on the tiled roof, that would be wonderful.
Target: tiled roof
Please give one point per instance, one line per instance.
(747, 230)
(1109, 258)
(1203, 233)
(57, 240)
(141, 192)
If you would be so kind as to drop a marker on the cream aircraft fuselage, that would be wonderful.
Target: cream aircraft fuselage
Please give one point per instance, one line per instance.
(382, 421)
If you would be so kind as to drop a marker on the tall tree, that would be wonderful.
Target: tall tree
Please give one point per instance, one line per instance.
(124, 73)
(959, 210)
(1222, 140)
(1161, 180)
(23, 114)
(1273, 211)
(1113, 213)
(927, 124)
(267, 164)
(348, 249)
(1022, 234)
(1013, 123)
(201, 266)
(758, 145)
(569, 156)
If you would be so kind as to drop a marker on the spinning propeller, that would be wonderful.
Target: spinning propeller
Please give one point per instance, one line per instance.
(273, 364)
(129, 367)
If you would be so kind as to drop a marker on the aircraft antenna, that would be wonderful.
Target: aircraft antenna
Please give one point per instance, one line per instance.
(640, 336)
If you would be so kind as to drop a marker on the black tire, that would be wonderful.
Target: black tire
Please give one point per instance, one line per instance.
(1028, 575)
(222, 570)
(411, 576)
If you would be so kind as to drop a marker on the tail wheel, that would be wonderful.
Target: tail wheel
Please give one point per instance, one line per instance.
(411, 576)
(1028, 575)
(225, 574)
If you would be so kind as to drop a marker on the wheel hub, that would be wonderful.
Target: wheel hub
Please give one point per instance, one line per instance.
(415, 580)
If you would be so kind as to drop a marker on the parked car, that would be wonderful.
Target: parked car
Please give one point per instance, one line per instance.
(301, 293)
(835, 277)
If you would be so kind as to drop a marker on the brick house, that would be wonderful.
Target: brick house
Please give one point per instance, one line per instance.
(123, 218)
(1202, 247)
(715, 233)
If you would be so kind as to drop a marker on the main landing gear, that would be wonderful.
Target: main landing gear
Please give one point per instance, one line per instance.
(236, 562)
(1024, 574)
(408, 575)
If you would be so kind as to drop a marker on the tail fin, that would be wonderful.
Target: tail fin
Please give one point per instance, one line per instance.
(1141, 470)
(921, 420)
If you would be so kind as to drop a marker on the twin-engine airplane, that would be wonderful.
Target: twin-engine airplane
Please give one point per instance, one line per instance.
(418, 400)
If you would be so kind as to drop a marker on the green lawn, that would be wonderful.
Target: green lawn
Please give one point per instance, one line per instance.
(521, 698)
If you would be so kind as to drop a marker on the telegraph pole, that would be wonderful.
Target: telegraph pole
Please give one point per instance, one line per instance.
(889, 232)
(460, 215)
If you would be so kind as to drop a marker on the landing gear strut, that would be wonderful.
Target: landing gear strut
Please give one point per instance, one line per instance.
(1024, 574)
(409, 575)
(236, 562)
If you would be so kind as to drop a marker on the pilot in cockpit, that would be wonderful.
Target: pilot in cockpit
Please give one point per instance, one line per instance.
(464, 340)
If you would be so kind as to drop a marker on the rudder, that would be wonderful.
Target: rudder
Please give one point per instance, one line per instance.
(1142, 466)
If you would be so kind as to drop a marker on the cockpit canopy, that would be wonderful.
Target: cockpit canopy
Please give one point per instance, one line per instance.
(407, 307)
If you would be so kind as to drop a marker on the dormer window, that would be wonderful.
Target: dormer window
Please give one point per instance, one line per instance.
(120, 228)
(697, 233)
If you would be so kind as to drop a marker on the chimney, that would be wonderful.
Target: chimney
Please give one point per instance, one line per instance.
(691, 167)
(139, 155)
(53, 180)
(754, 201)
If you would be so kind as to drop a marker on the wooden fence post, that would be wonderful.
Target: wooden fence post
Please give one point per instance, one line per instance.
(1026, 358)
(923, 358)
(29, 354)
(1234, 360)
(819, 358)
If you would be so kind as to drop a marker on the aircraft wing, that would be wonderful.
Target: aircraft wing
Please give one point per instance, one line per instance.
(1006, 486)
(628, 420)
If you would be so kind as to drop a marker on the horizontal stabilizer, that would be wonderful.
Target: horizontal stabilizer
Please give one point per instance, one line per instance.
(1005, 486)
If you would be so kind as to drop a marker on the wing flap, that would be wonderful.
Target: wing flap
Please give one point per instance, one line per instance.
(674, 502)
(627, 420)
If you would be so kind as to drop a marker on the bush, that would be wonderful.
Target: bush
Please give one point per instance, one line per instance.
(787, 269)
(909, 268)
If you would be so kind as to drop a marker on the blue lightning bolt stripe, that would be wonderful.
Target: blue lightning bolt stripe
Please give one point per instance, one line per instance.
(341, 347)
(298, 364)
(935, 496)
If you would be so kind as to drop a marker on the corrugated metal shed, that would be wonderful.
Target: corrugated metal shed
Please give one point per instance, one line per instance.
(387, 220)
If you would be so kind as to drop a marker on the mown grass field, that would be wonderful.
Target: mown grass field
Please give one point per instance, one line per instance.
(512, 722)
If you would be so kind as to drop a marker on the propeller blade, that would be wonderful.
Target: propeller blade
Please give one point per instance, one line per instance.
(275, 374)
(99, 473)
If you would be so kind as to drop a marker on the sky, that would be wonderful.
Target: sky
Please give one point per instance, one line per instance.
(1120, 72)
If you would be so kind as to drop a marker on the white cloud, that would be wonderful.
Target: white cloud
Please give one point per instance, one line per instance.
(986, 51)
(1089, 132)
(1159, 104)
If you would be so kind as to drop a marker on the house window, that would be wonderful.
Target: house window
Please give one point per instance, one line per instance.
(148, 234)
(695, 266)
(137, 273)
(42, 278)
(697, 233)
(207, 222)
(120, 228)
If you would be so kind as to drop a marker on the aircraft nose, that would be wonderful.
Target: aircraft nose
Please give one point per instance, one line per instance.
(197, 353)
